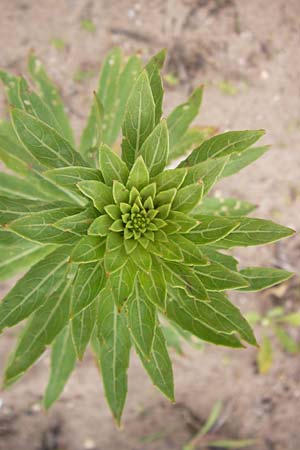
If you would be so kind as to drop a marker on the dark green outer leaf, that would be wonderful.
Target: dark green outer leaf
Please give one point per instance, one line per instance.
(63, 359)
(82, 327)
(263, 277)
(31, 291)
(51, 95)
(216, 277)
(114, 340)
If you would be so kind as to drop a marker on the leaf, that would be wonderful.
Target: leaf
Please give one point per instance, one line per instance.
(14, 187)
(88, 249)
(114, 258)
(192, 138)
(158, 365)
(38, 227)
(182, 116)
(188, 197)
(211, 229)
(31, 291)
(139, 175)
(207, 172)
(41, 329)
(155, 149)
(168, 179)
(185, 223)
(122, 282)
(263, 277)
(238, 161)
(212, 419)
(22, 255)
(292, 319)
(82, 326)
(232, 444)
(226, 260)
(216, 321)
(63, 359)
(254, 232)
(89, 281)
(139, 119)
(153, 68)
(98, 192)
(68, 177)
(43, 142)
(222, 145)
(289, 344)
(265, 356)
(111, 166)
(224, 207)
(184, 277)
(191, 253)
(141, 319)
(100, 226)
(114, 342)
(50, 94)
(141, 258)
(216, 277)
(154, 285)
(77, 223)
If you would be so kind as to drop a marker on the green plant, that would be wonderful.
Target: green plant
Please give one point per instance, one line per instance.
(112, 243)
(207, 438)
(274, 324)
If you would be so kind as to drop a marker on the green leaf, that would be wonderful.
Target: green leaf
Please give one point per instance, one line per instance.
(139, 119)
(168, 179)
(207, 172)
(192, 138)
(114, 258)
(220, 258)
(288, 343)
(232, 444)
(155, 149)
(68, 177)
(50, 94)
(43, 142)
(216, 321)
(39, 227)
(31, 291)
(139, 175)
(21, 255)
(111, 166)
(41, 329)
(182, 116)
(15, 187)
(222, 145)
(77, 223)
(263, 277)
(211, 229)
(154, 285)
(265, 356)
(159, 366)
(141, 319)
(254, 232)
(188, 197)
(88, 249)
(100, 226)
(141, 258)
(224, 207)
(170, 251)
(292, 319)
(98, 192)
(114, 343)
(82, 326)
(89, 281)
(216, 277)
(63, 359)
(237, 162)
(153, 68)
(122, 282)
(191, 253)
(184, 277)
(185, 223)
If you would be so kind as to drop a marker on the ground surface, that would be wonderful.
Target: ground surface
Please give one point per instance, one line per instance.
(252, 46)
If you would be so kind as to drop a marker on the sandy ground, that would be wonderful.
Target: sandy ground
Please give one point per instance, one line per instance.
(252, 47)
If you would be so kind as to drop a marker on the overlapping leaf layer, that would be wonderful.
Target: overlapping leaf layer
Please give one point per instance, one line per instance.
(116, 245)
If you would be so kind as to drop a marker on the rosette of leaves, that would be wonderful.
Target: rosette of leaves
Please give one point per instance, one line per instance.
(112, 244)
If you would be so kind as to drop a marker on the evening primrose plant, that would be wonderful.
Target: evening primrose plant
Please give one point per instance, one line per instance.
(112, 241)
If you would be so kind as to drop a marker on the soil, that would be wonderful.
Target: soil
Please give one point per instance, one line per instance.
(247, 55)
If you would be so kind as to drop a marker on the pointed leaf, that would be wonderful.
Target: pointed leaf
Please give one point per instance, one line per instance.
(188, 197)
(153, 70)
(172, 178)
(207, 172)
(139, 119)
(216, 277)
(139, 175)
(88, 249)
(63, 359)
(154, 285)
(224, 207)
(238, 161)
(82, 326)
(111, 166)
(100, 226)
(77, 223)
(121, 283)
(263, 277)
(98, 192)
(191, 253)
(211, 229)
(155, 149)
(68, 177)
